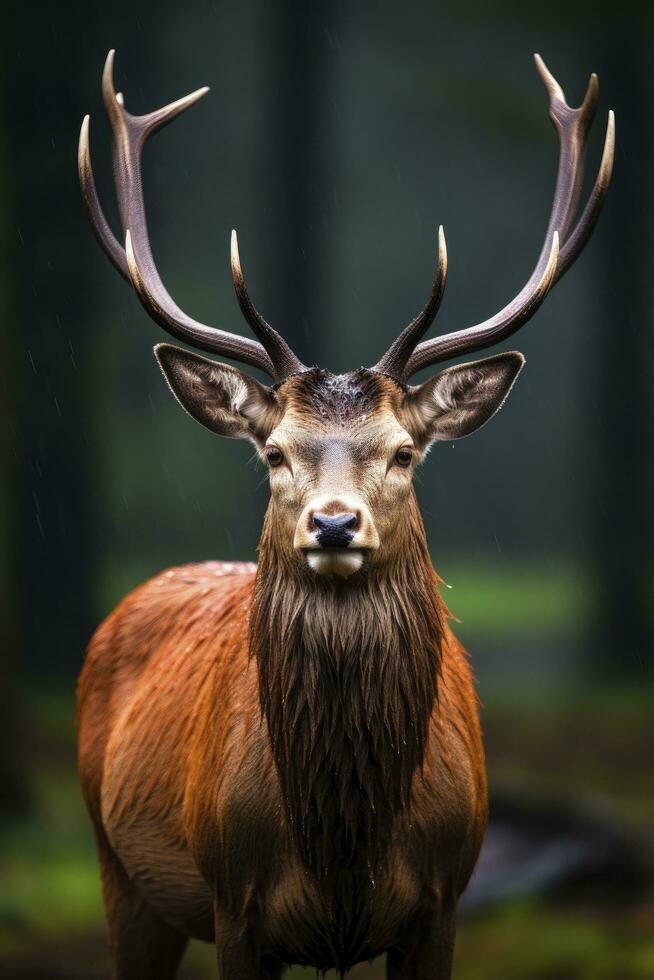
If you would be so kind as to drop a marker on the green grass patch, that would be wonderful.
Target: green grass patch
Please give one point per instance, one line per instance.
(538, 941)
(508, 597)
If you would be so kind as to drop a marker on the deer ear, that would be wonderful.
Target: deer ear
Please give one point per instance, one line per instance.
(218, 396)
(461, 399)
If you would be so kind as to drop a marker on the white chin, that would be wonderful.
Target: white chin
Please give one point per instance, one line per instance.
(335, 561)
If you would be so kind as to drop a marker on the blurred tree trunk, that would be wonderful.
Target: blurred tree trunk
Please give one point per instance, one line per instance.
(13, 791)
(296, 172)
(55, 547)
(622, 415)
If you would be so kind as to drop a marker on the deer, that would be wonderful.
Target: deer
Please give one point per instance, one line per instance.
(285, 759)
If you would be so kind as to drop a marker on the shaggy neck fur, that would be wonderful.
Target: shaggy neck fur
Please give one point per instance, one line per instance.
(348, 675)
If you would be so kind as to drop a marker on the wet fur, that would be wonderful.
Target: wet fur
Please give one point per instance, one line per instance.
(289, 767)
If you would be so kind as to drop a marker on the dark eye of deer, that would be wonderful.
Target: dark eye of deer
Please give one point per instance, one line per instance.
(404, 456)
(274, 456)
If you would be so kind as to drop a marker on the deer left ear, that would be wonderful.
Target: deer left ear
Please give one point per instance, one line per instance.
(461, 399)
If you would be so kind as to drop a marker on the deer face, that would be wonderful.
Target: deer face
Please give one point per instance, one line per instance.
(341, 449)
(341, 465)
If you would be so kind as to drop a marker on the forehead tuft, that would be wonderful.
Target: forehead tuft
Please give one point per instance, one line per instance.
(340, 399)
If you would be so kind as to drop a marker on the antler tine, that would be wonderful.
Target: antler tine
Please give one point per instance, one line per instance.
(168, 315)
(99, 223)
(136, 262)
(276, 346)
(395, 359)
(572, 126)
(502, 325)
(576, 241)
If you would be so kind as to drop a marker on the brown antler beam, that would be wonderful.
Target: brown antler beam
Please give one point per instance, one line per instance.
(564, 240)
(136, 263)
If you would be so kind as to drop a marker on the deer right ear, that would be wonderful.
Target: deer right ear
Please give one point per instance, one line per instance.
(218, 396)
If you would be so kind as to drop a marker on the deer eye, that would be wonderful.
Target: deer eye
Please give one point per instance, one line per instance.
(274, 456)
(403, 456)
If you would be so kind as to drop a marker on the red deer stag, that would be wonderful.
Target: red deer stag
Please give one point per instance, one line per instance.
(286, 759)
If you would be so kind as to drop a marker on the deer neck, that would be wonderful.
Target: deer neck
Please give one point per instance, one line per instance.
(347, 678)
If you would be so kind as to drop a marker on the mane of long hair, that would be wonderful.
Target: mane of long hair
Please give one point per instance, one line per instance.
(348, 675)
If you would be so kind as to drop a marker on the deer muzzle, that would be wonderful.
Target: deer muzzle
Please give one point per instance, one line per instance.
(336, 534)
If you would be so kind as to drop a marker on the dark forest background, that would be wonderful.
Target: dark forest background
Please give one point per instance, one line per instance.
(336, 138)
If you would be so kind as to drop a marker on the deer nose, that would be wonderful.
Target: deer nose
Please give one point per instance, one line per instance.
(334, 530)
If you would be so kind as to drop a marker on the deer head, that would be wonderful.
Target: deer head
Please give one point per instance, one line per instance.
(341, 449)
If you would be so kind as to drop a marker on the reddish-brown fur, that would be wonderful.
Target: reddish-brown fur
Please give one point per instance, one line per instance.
(171, 666)
(288, 765)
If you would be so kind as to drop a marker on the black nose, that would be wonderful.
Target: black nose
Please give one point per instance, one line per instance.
(334, 532)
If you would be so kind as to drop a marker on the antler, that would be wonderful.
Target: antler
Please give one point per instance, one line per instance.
(135, 262)
(394, 360)
(572, 126)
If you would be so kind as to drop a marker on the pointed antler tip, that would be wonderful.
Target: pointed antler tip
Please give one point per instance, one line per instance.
(133, 266)
(553, 88)
(237, 272)
(609, 140)
(188, 100)
(541, 67)
(159, 117)
(554, 251)
(610, 131)
(606, 165)
(83, 155)
(547, 279)
(589, 102)
(108, 90)
(442, 251)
